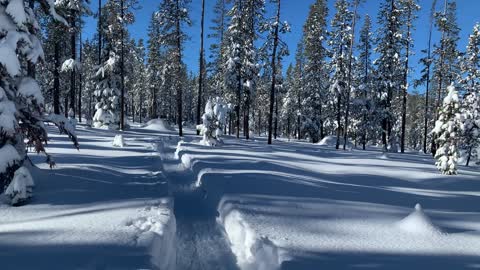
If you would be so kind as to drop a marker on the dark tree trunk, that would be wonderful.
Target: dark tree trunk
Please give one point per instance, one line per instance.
(56, 79)
(178, 73)
(200, 76)
(73, 44)
(349, 84)
(274, 72)
(80, 79)
(405, 84)
(122, 69)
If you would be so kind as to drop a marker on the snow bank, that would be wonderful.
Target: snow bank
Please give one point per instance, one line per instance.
(158, 125)
(157, 229)
(252, 252)
(418, 223)
(332, 141)
(118, 141)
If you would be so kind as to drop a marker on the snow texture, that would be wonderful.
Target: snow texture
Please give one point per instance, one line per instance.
(118, 141)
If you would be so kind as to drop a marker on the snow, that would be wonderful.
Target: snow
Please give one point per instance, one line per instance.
(100, 208)
(418, 223)
(20, 189)
(29, 88)
(8, 157)
(159, 125)
(118, 141)
(332, 141)
(304, 206)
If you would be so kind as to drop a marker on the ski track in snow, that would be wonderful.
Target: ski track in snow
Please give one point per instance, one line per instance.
(201, 243)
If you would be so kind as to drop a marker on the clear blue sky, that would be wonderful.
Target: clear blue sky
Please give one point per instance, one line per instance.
(295, 12)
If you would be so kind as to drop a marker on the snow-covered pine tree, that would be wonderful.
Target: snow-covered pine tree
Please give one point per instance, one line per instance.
(447, 131)
(340, 40)
(218, 49)
(213, 121)
(154, 44)
(446, 65)
(108, 76)
(139, 82)
(172, 16)
(107, 93)
(363, 96)
(389, 67)
(409, 9)
(21, 101)
(315, 72)
(470, 110)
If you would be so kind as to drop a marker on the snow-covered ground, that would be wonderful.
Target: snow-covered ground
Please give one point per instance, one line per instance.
(102, 207)
(154, 201)
(303, 206)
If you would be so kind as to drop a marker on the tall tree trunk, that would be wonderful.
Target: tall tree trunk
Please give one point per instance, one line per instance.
(274, 72)
(425, 127)
(56, 79)
(178, 73)
(275, 126)
(122, 68)
(349, 84)
(200, 76)
(405, 83)
(80, 79)
(73, 44)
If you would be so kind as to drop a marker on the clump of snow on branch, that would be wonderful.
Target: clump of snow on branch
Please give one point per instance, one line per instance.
(69, 65)
(447, 130)
(20, 189)
(214, 120)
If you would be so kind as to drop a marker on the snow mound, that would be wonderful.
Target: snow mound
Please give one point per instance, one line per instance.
(252, 252)
(158, 125)
(118, 141)
(332, 141)
(418, 223)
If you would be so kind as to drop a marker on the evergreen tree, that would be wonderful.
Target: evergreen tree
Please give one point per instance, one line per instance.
(447, 131)
(314, 69)
(389, 67)
(21, 101)
(471, 100)
(173, 14)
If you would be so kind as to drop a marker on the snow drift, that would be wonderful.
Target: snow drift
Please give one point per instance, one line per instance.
(158, 125)
(418, 223)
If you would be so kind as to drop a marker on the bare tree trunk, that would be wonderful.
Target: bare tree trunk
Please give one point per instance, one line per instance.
(200, 77)
(347, 102)
(80, 79)
(178, 73)
(274, 73)
(405, 84)
(73, 44)
(425, 127)
(122, 68)
(56, 79)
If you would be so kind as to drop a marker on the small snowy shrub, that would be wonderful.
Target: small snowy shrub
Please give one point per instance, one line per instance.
(118, 141)
(71, 118)
(447, 130)
(20, 189)
(214, 120)
(312, 129)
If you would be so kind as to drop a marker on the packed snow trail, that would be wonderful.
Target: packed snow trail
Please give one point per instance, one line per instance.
(201, 243)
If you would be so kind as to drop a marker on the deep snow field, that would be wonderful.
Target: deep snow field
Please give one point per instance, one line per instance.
(161, 203)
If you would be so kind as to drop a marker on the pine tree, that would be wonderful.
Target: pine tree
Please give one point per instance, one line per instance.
(447, 130)
(218, 49)
(154, 65)
(314, 69)
(409, 8)
(21, 100)
(340, 42)
(446, 66)
(470, 110)
(173, 14)
(389, 67)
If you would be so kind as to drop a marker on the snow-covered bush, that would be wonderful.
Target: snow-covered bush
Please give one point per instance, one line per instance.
(213, 121)
(20, 189)
(71, 118)
(447, 130)
(21, 101)
(311, 129)
(107, 113)
(118, 141)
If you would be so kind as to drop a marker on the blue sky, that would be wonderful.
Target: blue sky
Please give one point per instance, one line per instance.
(295, 12)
